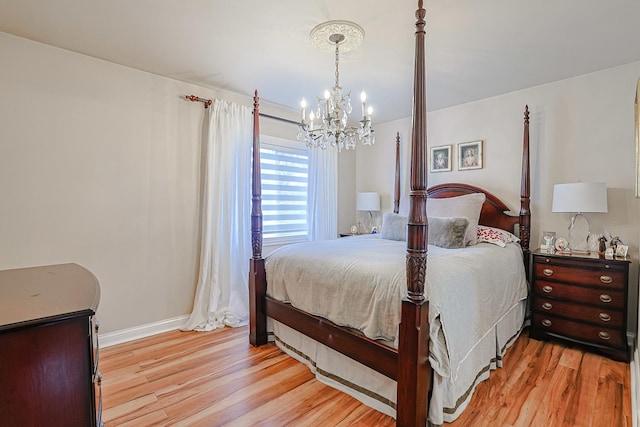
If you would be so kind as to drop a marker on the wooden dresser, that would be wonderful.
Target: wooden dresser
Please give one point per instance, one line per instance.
(583, 299)
(48, 348)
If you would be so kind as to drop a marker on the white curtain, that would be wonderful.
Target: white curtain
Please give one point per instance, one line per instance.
(323, 194)
(222, 296)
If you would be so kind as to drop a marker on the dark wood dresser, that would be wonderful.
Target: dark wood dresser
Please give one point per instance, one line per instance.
(48, 348)
(583, 299)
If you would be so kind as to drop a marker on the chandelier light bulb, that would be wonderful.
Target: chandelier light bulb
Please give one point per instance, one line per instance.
(303, 104)
(363, 96)
(370, 111)
(327, 95)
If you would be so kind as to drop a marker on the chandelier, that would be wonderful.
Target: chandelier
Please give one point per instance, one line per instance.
(328, 124)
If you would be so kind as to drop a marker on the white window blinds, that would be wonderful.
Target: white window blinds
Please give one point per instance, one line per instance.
(284, 168)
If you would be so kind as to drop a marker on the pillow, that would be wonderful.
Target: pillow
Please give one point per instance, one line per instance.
(496, 236)
(448, 232)
(467, 206)
(394, 227)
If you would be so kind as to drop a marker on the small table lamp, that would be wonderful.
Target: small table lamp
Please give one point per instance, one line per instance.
(368, 201)
(579, 197)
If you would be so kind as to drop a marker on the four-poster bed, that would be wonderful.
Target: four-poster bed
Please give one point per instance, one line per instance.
(406, 361)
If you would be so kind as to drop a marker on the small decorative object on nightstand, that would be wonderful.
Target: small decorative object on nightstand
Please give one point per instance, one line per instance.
(582, 299)
(602, 246)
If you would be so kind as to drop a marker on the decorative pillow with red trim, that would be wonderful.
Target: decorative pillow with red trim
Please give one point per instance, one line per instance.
(496, 236)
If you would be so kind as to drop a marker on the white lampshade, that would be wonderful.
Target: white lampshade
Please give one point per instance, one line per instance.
(580, 197)
(368, 201)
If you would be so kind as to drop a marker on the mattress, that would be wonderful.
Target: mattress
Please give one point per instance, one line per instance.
(358, 282)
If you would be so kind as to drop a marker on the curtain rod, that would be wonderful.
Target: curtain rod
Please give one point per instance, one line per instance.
(208, 102)
(292, 122)
(194, 98)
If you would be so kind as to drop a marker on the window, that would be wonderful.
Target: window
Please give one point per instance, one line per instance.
(284, 167)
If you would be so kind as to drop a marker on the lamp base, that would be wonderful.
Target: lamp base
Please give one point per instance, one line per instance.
(575, 251)
(579, 233)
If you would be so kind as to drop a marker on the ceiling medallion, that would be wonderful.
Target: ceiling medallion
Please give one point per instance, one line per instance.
(322, 36)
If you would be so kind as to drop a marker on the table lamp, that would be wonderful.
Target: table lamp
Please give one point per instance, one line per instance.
(579, 197)
(368, 201)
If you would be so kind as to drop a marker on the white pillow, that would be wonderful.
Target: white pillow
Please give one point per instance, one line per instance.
(394, 227)
(496, 236)
(467, 206)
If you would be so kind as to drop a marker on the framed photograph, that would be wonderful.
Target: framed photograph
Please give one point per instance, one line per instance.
(548, 242)
(441, 158)
(470, 155)
(621, 251)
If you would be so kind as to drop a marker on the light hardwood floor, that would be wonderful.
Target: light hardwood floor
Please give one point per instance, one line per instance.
(217, 378)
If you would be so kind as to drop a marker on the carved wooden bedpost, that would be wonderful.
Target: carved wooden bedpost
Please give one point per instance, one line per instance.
(525, 212)
(257, 277)
(396, 192)
(413, 349)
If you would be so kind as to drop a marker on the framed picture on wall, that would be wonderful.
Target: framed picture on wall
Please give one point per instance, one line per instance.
(441, 158)
(470, 155)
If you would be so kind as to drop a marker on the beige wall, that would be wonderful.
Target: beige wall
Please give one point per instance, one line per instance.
(99, 165)
(582, 129)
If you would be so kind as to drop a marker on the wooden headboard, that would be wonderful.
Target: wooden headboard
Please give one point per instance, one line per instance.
(494, 211)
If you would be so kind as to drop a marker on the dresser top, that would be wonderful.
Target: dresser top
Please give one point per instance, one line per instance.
(582, 256)
(28, 295)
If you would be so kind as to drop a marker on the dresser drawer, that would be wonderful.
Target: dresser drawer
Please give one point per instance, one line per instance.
(609, 299)
(606, 317)
(580, 331)
(610, 278)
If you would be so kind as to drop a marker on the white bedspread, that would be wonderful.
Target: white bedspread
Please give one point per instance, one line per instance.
(359, 281)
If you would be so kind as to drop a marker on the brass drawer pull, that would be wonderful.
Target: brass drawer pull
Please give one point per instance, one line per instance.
(546, 322)
(605, 298)
(547, 306)
(548, 289)
(604, 335)
(604, 317)
(547, 272)
(606, 279)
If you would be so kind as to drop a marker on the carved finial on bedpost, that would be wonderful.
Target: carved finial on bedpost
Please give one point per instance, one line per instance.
(396, 192)
(525, 212)
(256, 188)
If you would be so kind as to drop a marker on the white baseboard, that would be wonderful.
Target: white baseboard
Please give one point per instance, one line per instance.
(142, 331)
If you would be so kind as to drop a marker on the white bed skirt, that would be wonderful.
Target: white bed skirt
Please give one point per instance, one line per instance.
(448, 399)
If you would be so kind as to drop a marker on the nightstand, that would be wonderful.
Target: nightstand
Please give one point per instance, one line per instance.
(582, 299)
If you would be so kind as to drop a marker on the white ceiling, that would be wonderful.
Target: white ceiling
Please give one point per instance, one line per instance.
(475, 49)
